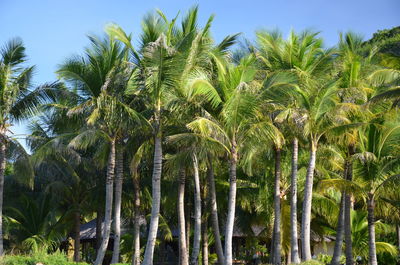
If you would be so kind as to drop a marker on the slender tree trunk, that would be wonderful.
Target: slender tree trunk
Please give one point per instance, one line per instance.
(77, 236)
(108, 207)
(371, 230)
(194, 260)
(214, 212)
(2, 172)
(188, 219)
(99, 227)
(205, 242)
(294, 246)
(119, 177)
(337, 252)
(230, 219)
(156, 193)
(347, 208)
(183, 257)
(306, 217)
(136, 225)
(347, 230)
(272, 251)
(277, 208)
(204, 226)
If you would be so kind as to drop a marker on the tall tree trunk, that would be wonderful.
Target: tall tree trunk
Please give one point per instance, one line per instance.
(337, 251)
(2, 172)
(194, 260)
(277, 208)
(230, 218)
(119, 177)
(108, 205)
(214, 212)
(156, 192)
(371, 230)
(272, 251)
(77, 236)
(347, 208)
(188, 219)
(183, 255)
(306, 217)
(136, 225)
(205, 242)
(204, 226)
(99, 227)
(294, 245)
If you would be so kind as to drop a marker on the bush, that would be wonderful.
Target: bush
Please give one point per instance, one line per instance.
(311, 262)
(56, 258)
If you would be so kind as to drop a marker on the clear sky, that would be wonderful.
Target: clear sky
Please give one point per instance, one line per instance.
(52, 30)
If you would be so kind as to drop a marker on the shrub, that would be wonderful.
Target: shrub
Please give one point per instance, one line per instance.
(56, 258)
(311, 262)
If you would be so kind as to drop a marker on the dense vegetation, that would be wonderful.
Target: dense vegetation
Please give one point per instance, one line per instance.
(283, 134)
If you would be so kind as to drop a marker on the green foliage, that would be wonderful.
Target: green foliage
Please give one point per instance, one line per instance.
(178, 83)
(57, 258)
(388, 41)
(312, 262)
(326, 259)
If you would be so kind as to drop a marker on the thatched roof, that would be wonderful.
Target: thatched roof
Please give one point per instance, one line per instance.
(88, 230)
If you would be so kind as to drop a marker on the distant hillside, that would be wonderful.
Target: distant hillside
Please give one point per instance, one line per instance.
(388, 40)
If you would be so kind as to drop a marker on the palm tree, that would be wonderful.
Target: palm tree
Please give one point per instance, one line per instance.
(358, 73)
(166, 58)
(17, 101)
(101, 77)
(375, 170)
(236, 106)
(300, 62)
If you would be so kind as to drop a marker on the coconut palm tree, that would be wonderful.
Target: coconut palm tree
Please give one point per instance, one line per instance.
(17, 101)
(375, 170)
(101, 78)
(300, 60)
(167, 56)
(358, 73)
(230, 94)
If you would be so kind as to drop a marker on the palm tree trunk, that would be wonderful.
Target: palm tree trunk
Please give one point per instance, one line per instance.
(136, 225)
(2, 172)
(277, 208)
(347, 209)
(183, 257)
(214, 212)
(119, 176)
(205, 242)
(294, 247)
(77, 236)
(306, 217)
(188, 219)
(156, 194)
(337, 252)
(371, 230)
(194, 260)
(99, 227)
(272, 251)
(347, 230)
(230, 219)
(204, 226)
(108, 207)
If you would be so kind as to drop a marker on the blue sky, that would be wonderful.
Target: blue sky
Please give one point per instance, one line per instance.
(52, 30)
